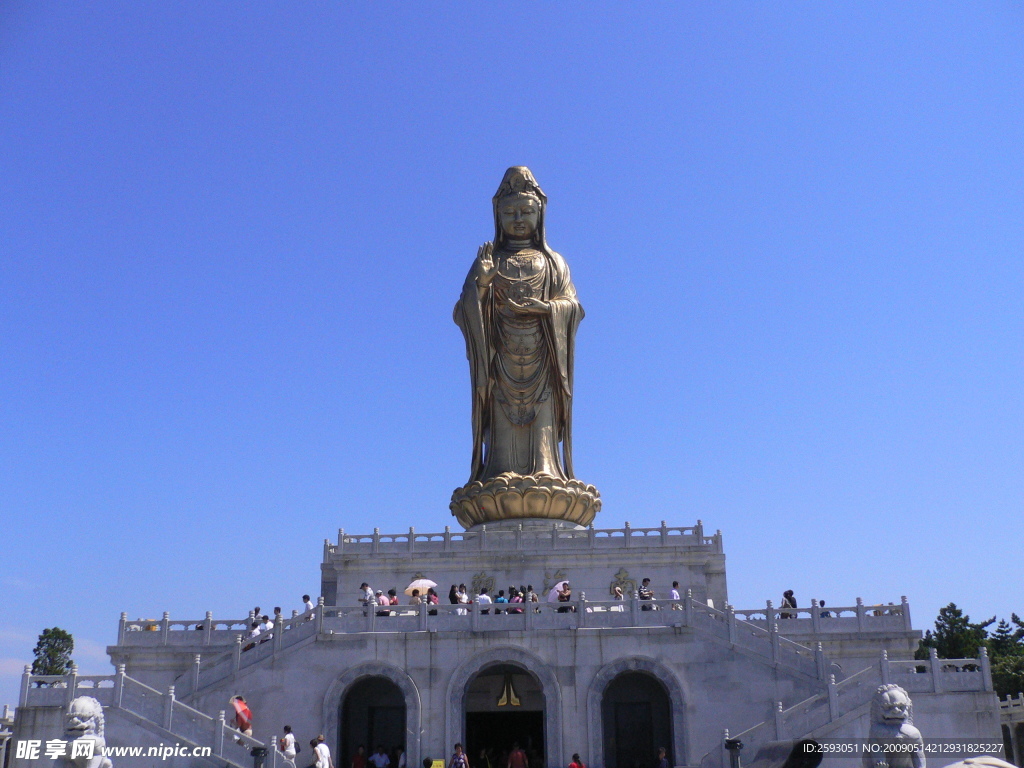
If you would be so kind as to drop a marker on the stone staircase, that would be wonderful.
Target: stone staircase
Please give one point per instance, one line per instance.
(769, 742)
(159, 713)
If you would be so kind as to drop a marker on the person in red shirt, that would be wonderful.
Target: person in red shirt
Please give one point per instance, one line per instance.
(359, 758)
(576, 762)
(517, 758)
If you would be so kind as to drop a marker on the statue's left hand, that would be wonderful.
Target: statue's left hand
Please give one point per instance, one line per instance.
(531, 306)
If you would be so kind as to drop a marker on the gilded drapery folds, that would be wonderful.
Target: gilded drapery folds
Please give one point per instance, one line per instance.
(519, 313)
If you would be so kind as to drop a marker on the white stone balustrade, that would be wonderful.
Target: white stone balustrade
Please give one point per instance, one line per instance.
(520, 539)
(157, 710)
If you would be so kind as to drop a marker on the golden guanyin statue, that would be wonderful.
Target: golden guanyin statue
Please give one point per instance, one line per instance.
(519, 313)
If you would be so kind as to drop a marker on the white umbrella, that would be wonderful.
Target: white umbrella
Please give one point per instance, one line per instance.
(553, 594)
(422, 585)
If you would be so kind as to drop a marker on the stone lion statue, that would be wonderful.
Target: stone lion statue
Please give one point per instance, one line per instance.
(83, 723)
(893, 741)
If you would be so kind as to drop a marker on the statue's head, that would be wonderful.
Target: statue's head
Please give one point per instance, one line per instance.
(84, 718)
(519, 207)
(892, 706)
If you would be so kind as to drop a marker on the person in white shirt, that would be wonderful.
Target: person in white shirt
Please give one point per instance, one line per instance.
(321, 753)
(484, 599)
(308, 606)
(673, 595)
(288, 746)
(380, 758)
(367, 594)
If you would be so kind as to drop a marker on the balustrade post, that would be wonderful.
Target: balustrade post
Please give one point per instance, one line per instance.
(883, 667)
(718, 541)
(780, 726)
(591, 537)
(474, 621)
(197, 661)
(327, 550)
(730, 619)
(119, 685)
(236, 657)
(634, 610)
(412, 539)
(371, 617)
(165, 628)
(769, 614)
(688, 607)
(208, 628)
(320, 615)
(218, 739)
(726, 756)
(664, 533)
(773, 636)
(819, 661)
(554, 535)
(933, 664)
(582, 609)
(169, 707)
(341, 541)
(986, 669)
(519, 537)
(71, 680)
(278, 633)
(122, 628)
(26, 683)
(483, 536)
(833, 698)
(815, 616)
(905, 610)
(860, 615)
(529, 609)
(698, 531)
(423, 617)
(628, 534)
(447, 538)
(375, 547)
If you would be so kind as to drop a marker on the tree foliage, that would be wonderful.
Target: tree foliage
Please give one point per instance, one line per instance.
(53, 652)
(955, 635)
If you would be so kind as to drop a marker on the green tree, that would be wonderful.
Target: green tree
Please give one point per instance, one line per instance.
(1008, 675)
(955, 636)
(53, 652)
(1006, 641)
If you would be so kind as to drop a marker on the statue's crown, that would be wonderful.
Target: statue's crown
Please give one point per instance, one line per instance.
(518, 180)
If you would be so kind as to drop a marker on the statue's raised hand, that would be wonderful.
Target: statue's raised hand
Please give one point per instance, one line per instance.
(486, 267)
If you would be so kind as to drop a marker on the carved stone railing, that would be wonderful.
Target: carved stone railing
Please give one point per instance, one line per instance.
(160, 711)
(766, 644)
(814, 715)
(520, 539)
(192, 632)
(820, 619)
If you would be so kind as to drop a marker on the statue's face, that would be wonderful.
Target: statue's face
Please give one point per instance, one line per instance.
(895, 706)
(80, 719)
(519, 216)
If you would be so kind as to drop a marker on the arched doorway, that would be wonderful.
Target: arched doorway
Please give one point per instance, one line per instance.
(372, 712)
(636, 719)
(504, 704)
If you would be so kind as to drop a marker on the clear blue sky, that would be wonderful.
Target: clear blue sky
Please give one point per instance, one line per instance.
(231, 237)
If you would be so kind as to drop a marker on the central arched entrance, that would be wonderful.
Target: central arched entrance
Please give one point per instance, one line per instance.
(636, 716)
(504, 705)
(372, 712)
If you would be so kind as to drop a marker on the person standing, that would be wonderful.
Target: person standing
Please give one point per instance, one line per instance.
(288, 746)
(576, 762)
(459, 759)
(673, 595)
(380, 758)
(307, 607)
(517, 758)
(359, 758)
(321, 753)
(484, 599)
(788, 601)
(646, 594)
(662, 758)
(365, 594)
(463, 596)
